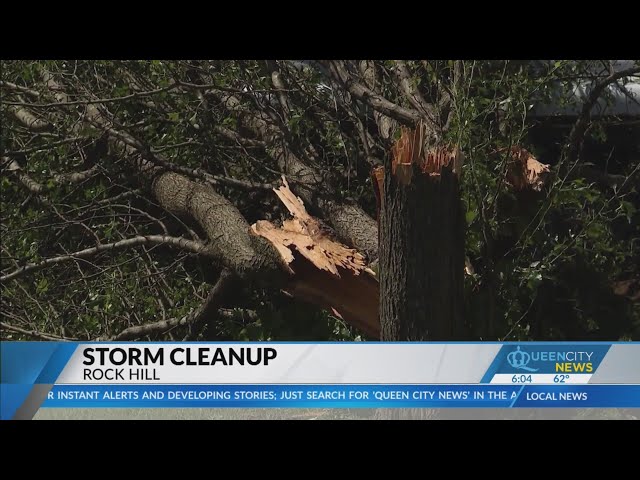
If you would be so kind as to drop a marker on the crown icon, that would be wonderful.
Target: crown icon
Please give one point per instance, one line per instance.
(520, 359)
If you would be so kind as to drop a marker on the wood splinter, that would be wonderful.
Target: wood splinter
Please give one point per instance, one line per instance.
(325, 272)
(410, 153)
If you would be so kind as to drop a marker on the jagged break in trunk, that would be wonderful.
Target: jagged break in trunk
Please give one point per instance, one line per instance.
(421, 242)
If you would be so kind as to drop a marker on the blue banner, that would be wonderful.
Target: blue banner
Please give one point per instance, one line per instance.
(342, 396)
(25, 364)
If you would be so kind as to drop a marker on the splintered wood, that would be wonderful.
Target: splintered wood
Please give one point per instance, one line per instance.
(306, 235)
(326, 272)
(524, 170)
(410, 149)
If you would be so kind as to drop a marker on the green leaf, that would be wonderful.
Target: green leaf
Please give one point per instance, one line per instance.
(42, 286)
(470, 216)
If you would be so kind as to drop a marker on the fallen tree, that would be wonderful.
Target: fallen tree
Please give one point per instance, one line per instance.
(145, 198)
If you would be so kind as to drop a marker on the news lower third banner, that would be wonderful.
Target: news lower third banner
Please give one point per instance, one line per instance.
(38, 375)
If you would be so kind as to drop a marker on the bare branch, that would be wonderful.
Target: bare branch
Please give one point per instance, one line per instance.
(386, 125)
(277, 82)
(236, 137)
(19, 88)
(349, 221)
(42, 148)
(576, 137)
(67, 103)
(227, 230)
(176, 242)
(210, 178)
(95, 118)
(409, 90)
(38, 188)
(96, 101)
(123, 195)
(23, 177)
(36, 333)
(29, 120)
(194, 319)
(76, 177)
(378, 102)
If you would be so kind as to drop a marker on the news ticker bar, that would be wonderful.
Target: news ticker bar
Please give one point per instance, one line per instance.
(343, 396)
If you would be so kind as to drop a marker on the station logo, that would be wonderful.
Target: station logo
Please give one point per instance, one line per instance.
(520, 359)
(558, 358)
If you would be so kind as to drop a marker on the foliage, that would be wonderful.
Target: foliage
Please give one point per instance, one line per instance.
(545, 262)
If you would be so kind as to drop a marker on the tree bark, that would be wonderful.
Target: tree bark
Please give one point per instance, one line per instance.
(350, 222)
(421, 247)
(422, 256)
(227, 230)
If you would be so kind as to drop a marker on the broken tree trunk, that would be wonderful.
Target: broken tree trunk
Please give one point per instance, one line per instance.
(422, 256)
(325, 272)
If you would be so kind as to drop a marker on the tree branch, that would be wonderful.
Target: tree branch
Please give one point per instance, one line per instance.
(96, 101)
(42, 148)
(278, 83)
(378, 102)
(350, 222)
(576, 137)
(411, 93)
(38, 188)
(210, 178)
(176, 242)
(227, 230)
(19, 88)
(194, 319)
(386, 125)
(28, 119)
(235, 137)
(36, 333)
